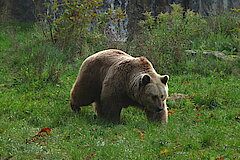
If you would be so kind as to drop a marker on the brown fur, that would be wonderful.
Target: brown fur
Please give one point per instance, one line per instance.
(112, 80)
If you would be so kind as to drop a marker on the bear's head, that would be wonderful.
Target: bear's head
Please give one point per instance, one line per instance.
(153, 92)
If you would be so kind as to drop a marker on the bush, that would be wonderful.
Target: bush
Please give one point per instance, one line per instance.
(165, 38)
(169, 34)
(40, 53)
(76, 23)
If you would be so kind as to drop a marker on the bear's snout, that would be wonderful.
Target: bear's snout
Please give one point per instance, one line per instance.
(159, 107)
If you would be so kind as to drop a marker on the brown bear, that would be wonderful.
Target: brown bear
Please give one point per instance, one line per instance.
(112, 80)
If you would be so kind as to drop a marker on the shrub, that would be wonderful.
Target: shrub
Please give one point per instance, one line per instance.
(223, 32)
(165, 38)
(169, 34)
(40, 53)
(76, 23)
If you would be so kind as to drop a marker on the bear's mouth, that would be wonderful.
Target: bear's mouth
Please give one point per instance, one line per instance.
(155, 110)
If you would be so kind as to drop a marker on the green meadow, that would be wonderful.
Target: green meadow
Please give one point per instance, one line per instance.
(36, 77)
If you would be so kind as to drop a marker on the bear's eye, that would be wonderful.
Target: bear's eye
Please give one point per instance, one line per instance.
(154, 97)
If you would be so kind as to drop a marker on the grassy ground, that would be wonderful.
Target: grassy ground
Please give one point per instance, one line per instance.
(204, 126)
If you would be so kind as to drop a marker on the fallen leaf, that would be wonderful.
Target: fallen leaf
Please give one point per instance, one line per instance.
(33, 139)
(186, 83)
(164, 151)
(8, 158)
(176, 147)
(196, 94)
(90, 156)
(211, 115)
(141, 134)
(197, 108)
(171, 112)
(39, 135)
(45, 130)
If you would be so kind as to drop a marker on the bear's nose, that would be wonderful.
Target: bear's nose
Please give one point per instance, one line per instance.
(159, 109)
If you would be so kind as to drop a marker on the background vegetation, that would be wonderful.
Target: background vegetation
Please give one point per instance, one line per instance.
(37, 73)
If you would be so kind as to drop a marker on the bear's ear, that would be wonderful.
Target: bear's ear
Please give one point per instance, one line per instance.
(145, 79)
(164, 79)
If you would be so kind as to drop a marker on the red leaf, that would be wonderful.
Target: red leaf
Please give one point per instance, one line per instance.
(199, 108)
(171, 112)
(4, 85)
(186, 83)
(46, 130)
(211, 115)
(90, 156)
(39, 135)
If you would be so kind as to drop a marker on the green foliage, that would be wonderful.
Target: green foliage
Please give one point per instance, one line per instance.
(223, 33)
(166, 37)
(207, 65)
(26, 53)
(199, 128)
(190, 133)
(172, 33)
(75, 23)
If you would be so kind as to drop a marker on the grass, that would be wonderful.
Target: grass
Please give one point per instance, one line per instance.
(205, 126)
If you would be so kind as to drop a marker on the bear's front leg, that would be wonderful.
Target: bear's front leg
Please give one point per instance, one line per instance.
(110, 100)
(109, 109)
(75, 108)
(110, 112)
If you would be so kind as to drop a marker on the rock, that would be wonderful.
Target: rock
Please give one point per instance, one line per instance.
(217, 54)
(21, 10)
(212, 7)
(176, 97)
